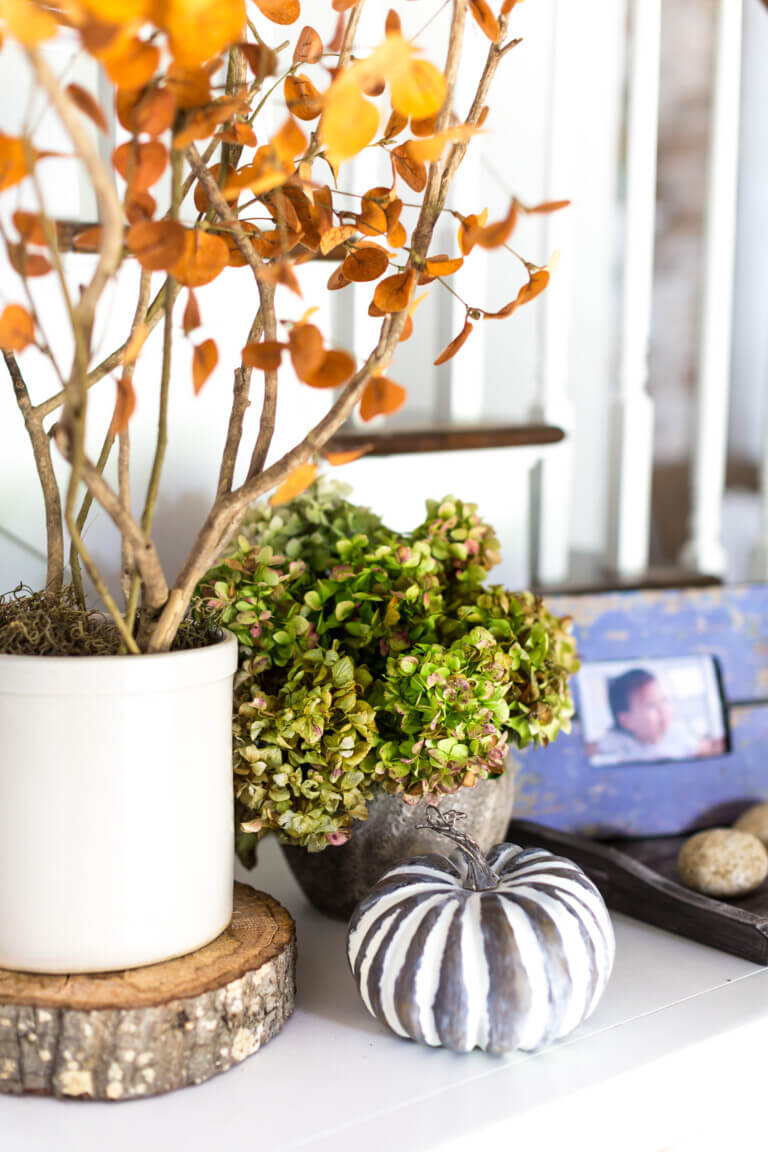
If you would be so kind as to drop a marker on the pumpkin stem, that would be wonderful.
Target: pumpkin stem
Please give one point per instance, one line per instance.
(480, 875)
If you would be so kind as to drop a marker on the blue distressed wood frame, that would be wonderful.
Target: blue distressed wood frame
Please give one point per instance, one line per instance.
(559, 787)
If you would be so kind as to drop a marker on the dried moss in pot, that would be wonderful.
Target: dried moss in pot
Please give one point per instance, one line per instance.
(54, 624)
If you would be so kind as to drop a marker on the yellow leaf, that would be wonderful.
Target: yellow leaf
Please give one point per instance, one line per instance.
(297, 482)
(200, 29)
(27, 22)
(349, 121)
(418, 91)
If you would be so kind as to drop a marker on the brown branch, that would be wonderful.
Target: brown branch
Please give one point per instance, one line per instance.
(223, 211)
(82, 516)
(155, 312)
(84, 309)
(147, 559)
(496, 53)
(240, 403)
(127, 558)
(41, 450)
(269, 404)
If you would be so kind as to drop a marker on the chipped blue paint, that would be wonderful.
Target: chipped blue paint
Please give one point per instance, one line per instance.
(558, 786)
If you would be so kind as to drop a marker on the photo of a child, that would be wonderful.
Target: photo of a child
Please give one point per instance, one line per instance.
(665, 709)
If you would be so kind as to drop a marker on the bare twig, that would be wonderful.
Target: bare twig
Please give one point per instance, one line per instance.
(269, 404)
(82, 516)
(240, 402)
(147, 559)
(41, 449)
(84, 309)
(223, 211)
(128, 583)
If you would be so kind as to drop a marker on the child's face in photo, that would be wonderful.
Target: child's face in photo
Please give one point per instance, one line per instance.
(649, 715)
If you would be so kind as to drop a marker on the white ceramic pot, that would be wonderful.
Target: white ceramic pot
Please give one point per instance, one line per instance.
(116, 823)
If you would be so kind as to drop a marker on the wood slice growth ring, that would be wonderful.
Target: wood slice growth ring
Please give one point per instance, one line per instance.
(137, 1033)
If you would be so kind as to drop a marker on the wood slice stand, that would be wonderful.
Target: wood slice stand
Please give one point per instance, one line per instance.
(137, 1033)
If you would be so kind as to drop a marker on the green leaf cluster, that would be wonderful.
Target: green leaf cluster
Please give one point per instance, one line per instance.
(376, 660)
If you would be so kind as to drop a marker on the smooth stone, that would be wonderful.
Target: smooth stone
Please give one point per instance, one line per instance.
(723, 862)
(755, 820)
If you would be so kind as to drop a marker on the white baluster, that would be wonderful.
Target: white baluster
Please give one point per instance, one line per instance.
(704, 549)
(551, 475)
(632, 416)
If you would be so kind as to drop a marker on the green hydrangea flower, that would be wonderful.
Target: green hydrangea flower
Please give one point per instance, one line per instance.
(372, 659)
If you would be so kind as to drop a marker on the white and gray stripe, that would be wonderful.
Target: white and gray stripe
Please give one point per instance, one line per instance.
(513, 966)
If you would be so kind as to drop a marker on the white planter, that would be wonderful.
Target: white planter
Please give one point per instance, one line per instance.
(116, 821)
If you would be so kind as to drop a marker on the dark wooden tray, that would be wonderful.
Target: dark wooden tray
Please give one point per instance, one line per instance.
(639, 878)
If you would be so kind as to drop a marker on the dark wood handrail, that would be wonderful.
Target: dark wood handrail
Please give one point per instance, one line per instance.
(471, 437)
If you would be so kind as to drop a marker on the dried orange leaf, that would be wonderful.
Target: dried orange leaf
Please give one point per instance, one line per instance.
(366, 263)
(13, 160)
(203, 258)
(139, 205)
(334, 369)
(381, 397)
(424, 127)
(335, 236)
(481, 10)
(302, 98)
(130, 62)
(17, 328)
(412, 170)
(430, 148)
(191, 319)
(337, 280)
(280, 11)
(88, 105)
(204, 360)
(397, 235)
(372, 218)
(125, 406)
(458, 341)
(395, 125)
(28, 263)
(392, 23)
(239, 133)
(150, 110)
(306, 344)
(156, 244)
(140, 165)
(309, 46)
(29, 226)
(262, 60)
(343, 5)
(443, 265)
(546, 206)
(191, 87)
(393, 294)
(336, 459)
(88, 239)
(297, 482)
(265, 355)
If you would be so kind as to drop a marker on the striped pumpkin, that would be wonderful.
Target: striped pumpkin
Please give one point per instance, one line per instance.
(503, 952)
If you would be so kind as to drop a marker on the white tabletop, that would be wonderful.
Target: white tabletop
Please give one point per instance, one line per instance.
(672, 1060)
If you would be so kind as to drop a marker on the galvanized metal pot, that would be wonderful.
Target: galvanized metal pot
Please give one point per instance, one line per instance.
(335, 879)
